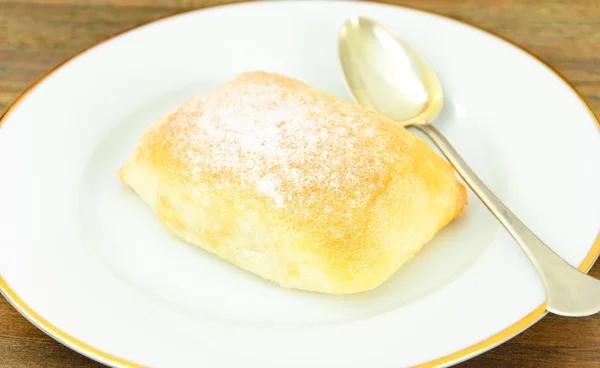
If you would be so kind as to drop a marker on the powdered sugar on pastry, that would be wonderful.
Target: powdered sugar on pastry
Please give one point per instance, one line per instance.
(297, 186)
(298, 151)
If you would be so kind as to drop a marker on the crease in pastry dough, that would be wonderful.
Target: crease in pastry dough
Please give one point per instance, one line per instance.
(299, 187)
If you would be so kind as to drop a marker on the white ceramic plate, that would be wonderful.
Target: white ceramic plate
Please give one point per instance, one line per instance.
(84, 259)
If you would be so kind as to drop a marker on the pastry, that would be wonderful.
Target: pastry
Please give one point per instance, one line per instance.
(296, 186)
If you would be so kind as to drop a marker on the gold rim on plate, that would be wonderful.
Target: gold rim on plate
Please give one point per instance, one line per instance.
(461, 355)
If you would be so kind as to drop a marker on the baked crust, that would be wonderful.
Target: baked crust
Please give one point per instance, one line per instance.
(299, 187)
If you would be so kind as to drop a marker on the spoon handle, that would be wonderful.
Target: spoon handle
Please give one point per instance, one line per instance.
(569, 292)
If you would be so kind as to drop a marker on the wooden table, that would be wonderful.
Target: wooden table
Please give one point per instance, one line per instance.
(36, 34)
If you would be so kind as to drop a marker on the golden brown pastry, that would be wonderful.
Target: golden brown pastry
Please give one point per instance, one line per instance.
(297, 186)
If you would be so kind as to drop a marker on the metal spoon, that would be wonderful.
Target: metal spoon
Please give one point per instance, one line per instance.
(384, 73)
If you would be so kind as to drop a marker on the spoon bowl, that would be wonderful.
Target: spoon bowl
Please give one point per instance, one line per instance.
(394, 79)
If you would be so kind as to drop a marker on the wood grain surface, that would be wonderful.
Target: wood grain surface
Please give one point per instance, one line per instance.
(37, 34)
